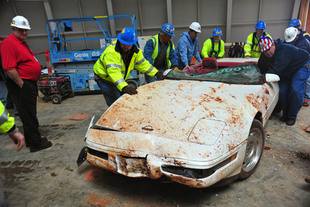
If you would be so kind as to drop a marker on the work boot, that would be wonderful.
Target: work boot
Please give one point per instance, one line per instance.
(307, 179)
(306, 103)
(43, 145)
(290, 122)
(283, 119)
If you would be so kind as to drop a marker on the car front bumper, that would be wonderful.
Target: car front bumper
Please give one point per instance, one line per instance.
(154, 167)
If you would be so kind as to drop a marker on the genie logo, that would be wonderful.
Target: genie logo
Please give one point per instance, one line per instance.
(81, 55)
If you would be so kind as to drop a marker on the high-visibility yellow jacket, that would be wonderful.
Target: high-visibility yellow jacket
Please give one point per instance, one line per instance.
(213, 49)
(6, 122)
(251, 47)
(112, 68)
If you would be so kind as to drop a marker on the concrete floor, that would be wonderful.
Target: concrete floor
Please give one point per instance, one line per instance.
(52, 178)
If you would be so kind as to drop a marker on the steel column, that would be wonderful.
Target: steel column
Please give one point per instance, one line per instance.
(112, 23)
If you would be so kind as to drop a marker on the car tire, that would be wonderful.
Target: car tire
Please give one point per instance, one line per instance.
(254, 150)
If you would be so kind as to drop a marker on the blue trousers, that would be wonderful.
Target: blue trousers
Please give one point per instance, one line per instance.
(110, 92)
(307, 91)
(292, 92)
(150, 79)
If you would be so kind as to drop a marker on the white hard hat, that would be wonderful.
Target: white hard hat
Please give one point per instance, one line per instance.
(20, 22)
(195, 26)
(290, 34)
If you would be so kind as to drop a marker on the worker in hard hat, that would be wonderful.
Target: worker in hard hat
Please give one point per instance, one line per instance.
(297, 24)
(7, 125)
(160, 51)
(289, 63)
(23, 71)
(115, 64)
(214, 46)
(293, 36)
(187, 46)
(251, 47)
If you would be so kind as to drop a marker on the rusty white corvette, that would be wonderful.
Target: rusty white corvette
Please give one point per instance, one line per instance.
(197, 130)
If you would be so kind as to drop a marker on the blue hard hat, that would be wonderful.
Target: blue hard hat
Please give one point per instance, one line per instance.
(127, 36)
(217, 32)
(294, 23)
(260, 25)
(168, 29)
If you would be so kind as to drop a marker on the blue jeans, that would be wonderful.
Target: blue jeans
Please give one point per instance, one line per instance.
(292, 93)
(150, 79)
(307, 91)
(110, 92)
(3, 93)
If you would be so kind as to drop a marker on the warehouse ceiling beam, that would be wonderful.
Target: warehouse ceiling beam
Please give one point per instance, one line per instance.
(169, 11)
(48, 9)
(198, 11)
(296, 9)
(228, 20)
(260, 3)
(303, 13)
(83, 24)
(110, 12)
(140, 17)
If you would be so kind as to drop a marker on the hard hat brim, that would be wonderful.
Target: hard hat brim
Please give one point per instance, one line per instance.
(196, 30)
(172, 35)
(21, 27)
(259, 27)
(124, 42)
(289, 39)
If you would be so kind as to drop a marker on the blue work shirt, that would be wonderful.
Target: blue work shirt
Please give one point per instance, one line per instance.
(185, 50)
(303, 43)
(285, 62)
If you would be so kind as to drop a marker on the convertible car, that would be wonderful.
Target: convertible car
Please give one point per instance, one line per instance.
(195, 129)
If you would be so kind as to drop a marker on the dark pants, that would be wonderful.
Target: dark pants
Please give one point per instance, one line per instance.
(292, 92)
(109, 90)
(150, 79)
(25, 100)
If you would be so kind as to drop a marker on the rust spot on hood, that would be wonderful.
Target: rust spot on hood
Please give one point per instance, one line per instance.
(231, 147)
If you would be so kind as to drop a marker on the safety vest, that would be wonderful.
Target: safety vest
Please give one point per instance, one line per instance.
(215, 49)
(6, 122)
(251, 47)
(155, 40)
(111, 67)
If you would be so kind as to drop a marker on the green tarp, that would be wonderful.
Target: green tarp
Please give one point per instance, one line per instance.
(240, 74)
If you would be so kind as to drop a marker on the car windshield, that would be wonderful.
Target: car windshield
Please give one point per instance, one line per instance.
(247, 73)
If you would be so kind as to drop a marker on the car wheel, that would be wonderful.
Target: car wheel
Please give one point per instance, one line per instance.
(56, 99)
(254, 150)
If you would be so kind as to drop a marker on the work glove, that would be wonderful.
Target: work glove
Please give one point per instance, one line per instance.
(177, 69)
(130, 90)
(269, 77)
(159, 76)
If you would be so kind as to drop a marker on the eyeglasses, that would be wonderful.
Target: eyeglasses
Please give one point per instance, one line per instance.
(21, 30)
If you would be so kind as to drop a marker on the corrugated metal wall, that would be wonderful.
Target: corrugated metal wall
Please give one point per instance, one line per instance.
(236, 18)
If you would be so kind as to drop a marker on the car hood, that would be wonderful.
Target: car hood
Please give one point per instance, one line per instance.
(187, 111)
